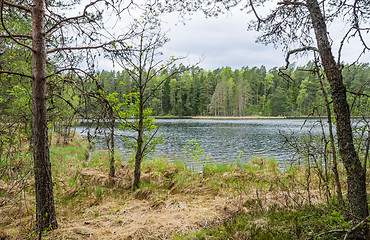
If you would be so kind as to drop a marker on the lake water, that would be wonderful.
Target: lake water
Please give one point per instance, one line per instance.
(223, 140)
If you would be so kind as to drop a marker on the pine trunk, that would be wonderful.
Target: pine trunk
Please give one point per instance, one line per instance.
(45, 210)
(356, 178)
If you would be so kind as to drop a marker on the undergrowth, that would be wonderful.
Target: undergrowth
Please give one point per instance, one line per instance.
(309, 222)
(265, 202)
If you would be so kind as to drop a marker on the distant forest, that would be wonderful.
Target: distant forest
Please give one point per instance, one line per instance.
(245, 92)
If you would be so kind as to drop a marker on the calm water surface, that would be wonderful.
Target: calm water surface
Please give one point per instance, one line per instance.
(223, 140)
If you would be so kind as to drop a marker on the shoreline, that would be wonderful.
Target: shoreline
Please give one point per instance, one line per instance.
(244, 117)
(249, 117)
(219, 117)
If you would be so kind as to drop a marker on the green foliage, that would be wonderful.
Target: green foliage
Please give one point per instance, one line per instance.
(246, 91)
(195, 151)
(98, 192)
(214, 168)
(314, 222)
(129, 120)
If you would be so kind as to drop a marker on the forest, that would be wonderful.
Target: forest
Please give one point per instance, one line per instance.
(55, 185)
(244, 92)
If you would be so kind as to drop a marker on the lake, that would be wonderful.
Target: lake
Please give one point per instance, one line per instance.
(224, 139)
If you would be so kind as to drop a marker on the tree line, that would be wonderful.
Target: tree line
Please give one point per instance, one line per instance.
(244, 92)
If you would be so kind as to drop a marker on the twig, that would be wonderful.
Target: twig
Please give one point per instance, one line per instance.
(358, 93)
(287, 3)
(331, 231)
(83, 233)
(355, 227)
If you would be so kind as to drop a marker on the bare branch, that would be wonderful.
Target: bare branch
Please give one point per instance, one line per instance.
(331, 231)
(16, 36)
(341, 45)
(69, 104)
(161, 82)
(7, 30)
(289, 3)
(17, 6)
(15, 73)
(69, 69)
(358, 94)
(101, 46)
(303, 49)
(150, 139)
(357, 26)
(72, 18)
(355, 227)
(260, 20)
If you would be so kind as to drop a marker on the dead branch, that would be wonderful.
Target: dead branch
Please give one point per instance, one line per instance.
(260, 20)
(294, 51)
(21, 7)
(357, 26)
(289, 3)
(83, 233)
(331, 231)
(101, 46)
(15, 73)
(358, 94)
(69, 69)
(71, 18)
(355, 227)
(341, 45)
(10, 34)
(16, 36)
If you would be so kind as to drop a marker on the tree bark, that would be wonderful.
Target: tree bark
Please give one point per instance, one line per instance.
(139, 150)
(45, 210)
(332, 142)
(112, 169)
(355, 175)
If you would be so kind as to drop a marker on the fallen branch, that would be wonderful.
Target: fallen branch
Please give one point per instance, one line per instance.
(331, 231)
(83, 233)
(355, 227)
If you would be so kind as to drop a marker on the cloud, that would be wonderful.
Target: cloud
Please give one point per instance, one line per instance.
(225, 41)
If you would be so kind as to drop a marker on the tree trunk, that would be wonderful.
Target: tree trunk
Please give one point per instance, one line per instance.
(112, 169)
(355, 175)
(45, 210)
(139, 150)
(332, 142)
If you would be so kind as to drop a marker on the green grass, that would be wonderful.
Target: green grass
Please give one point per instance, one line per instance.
(264, 220)
(215, 168)
(259, 164)
(157, 164)
(68, 158)
(98, 158)
(162, 177)
(309, 222)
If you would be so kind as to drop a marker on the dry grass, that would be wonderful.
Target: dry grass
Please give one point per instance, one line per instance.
(171, 199)
(87, 201)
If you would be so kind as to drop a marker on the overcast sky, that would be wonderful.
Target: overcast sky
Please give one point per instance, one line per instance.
(220, 42)
(225, 41)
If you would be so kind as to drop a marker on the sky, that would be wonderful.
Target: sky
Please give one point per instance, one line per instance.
(226, 42)
(220, 42)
